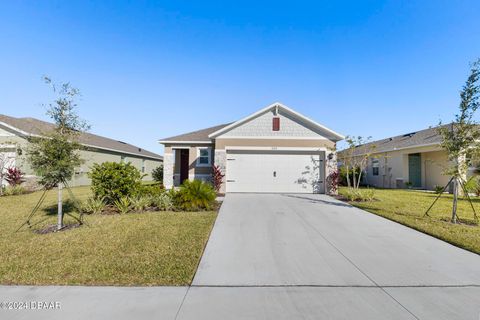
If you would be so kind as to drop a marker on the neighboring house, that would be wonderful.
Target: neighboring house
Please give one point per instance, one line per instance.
(273, 150)
(14, 134)
(415, 157)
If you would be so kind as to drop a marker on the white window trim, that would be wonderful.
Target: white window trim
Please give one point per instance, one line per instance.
(209, 150)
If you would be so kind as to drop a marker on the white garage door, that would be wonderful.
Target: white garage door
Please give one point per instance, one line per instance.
(275, 171)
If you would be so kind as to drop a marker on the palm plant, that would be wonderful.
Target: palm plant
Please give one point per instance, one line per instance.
(195, 195)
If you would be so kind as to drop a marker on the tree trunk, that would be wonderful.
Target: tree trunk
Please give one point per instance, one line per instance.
(359, 179)
(455, 200)
(348, 176)
(60, 208)
(354, 177)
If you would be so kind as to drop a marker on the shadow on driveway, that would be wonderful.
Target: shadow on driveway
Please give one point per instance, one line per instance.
(318, 200)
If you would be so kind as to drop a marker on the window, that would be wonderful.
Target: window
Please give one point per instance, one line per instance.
(143, 166)
(375, 166)
(276, 124)
(122, 159)
(203, 157)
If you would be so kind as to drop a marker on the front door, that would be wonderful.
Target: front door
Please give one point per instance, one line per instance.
(184, 165)
(415, 170)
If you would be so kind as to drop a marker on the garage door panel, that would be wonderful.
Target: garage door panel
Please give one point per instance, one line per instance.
(287, 172)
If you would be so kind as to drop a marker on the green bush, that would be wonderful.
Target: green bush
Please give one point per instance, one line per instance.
(353, 194)
(93, 205)
(157, 173)
(112, 181)
(151, 189)
(343, 175)
(195, 195)
(163, 201)
(123, 205)
(473, 185)
(14, 190)
(140, 203)
(438, 189)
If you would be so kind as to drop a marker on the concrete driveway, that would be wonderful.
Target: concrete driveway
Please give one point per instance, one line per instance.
(292, 257)
(308, 256)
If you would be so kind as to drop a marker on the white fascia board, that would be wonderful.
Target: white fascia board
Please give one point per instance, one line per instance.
(242, 148)
(275, 138)
(184, 142)
(282, 106)
(400, 149)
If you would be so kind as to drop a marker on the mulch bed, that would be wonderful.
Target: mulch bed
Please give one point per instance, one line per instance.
(53, 228)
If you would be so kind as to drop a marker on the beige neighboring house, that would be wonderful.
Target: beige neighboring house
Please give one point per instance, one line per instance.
(14, 134)
(274, 150)
(414, 157)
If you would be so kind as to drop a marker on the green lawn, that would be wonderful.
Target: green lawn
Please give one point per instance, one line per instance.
(154, 248)
(408, 207)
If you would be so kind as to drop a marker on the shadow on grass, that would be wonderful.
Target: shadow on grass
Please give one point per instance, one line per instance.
(68, 207)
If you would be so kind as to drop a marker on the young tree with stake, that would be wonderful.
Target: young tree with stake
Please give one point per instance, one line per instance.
(55, 155)
(462, 136)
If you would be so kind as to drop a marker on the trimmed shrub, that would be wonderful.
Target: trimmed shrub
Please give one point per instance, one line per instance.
(354, 194)
(112, 181)
(152, 189)
(157, 173)
(194, 196)
(93, 205)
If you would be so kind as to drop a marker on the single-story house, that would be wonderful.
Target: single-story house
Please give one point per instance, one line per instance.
(414, 158)
(275, 149)
(15, 132)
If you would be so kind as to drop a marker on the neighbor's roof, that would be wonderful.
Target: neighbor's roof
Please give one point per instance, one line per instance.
(35, 127)
(424, 137)
(195, 136)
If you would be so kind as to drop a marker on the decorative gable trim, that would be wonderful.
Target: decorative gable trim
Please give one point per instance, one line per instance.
(334, 136)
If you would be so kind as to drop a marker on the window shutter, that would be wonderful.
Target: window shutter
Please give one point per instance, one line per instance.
(276, 124)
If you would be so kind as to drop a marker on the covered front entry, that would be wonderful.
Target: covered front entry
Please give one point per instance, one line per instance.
(275, 171)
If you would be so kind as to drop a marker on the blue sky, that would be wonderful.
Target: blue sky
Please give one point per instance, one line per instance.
(149, 70)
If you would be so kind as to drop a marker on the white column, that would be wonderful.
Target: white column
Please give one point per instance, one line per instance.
(168, 163)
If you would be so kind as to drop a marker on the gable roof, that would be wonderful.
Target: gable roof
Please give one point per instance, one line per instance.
(426, 137)
(332, 135)
(35, 127)
(201, 136)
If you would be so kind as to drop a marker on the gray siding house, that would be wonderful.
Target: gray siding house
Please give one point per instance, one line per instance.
(14, 134)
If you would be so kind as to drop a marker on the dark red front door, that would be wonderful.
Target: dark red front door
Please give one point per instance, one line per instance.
(183, 165)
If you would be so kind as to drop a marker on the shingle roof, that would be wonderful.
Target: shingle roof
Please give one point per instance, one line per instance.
(199, 135)
(33, 126)
(408, 140)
